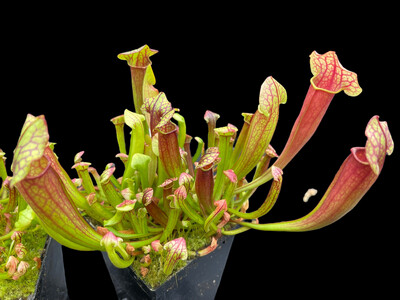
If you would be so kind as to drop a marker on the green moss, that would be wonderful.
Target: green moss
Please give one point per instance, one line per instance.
(25, 285)
(195, 240)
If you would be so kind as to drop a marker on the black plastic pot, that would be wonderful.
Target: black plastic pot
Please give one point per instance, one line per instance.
(51, 283)
(198, 280)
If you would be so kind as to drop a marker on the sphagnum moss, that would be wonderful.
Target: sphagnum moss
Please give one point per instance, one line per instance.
(10, 289)
(195, 240)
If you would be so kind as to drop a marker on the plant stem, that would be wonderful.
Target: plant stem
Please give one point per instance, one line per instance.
(182, 129)
(136, 145)
(172, 220)
(139, 244)
(119, 123)
(199, 150)
(113, 197)
(242, 138)
(3, 171)
(192, 202)
(234, 231)
(228, 194)
(265, 177)
(190, 211)
(132, 235)
(142, 218)
(135, 223)
(224, 154)
(87, 182)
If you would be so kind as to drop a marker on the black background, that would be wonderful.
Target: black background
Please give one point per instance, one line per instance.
(64, 65)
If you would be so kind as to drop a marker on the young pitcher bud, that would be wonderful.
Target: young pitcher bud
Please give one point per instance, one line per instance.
(17, 236)
(21, 270)
(176, 250)
(20, 250)
(11, 265)
(156, 245)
